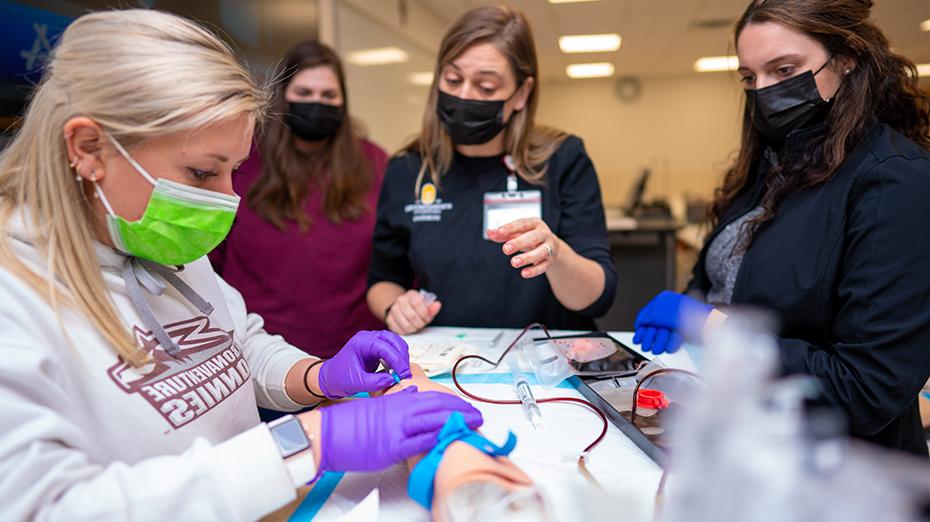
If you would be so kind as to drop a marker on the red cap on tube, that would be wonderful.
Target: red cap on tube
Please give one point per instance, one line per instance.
(652, 399)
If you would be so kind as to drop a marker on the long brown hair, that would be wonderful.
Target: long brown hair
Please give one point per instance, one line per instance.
(340, 167)
(529, 145)
(881, 88)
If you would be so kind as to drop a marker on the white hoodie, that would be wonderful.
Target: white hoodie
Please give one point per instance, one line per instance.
(84, 436)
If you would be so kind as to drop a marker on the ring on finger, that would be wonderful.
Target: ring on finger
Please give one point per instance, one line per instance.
(548, 249)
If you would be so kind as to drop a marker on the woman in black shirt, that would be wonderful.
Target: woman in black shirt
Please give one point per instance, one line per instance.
(481, 184)
(823, 219)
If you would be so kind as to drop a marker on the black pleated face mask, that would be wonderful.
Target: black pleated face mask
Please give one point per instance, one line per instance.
(314, 121)
(470, 122)
(789, 104)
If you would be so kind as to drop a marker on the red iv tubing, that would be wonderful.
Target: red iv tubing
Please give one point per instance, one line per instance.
(582, 402)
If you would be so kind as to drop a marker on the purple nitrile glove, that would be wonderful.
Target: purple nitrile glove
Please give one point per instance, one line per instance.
(352, 369)
(667, 319)
(372, 434)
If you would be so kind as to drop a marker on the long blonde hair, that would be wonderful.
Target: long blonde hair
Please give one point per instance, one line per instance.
(529, 145)
(139, 74)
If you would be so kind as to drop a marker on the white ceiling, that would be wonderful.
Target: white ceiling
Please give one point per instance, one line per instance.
(659, 37)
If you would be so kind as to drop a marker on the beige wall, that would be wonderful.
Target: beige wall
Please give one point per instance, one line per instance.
(683, 128)
(382, 96)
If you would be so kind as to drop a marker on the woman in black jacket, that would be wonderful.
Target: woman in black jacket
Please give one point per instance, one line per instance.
(825, 216)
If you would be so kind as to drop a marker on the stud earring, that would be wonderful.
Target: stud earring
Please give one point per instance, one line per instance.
(73, 163)
(847, 71)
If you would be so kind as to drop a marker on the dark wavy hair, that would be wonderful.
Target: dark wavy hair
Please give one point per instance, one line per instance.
(881, 88)
(340, 168)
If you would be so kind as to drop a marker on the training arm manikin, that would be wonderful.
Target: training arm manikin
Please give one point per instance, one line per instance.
(461, 462)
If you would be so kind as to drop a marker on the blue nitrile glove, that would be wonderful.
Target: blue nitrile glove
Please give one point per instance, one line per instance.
(352, 369)
(660, 325)
(372, 434)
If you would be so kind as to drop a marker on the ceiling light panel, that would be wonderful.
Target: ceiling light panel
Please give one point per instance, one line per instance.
(590, 70)
(590, 43)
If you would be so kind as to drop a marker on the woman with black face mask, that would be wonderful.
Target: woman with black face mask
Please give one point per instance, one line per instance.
(823, 219)
(300, 247)
(497, 217)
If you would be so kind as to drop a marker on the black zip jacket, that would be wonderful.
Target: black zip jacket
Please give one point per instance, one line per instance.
(846, 268)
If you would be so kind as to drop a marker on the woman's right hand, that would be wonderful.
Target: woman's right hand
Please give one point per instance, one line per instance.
(410, 313)
(374, 433)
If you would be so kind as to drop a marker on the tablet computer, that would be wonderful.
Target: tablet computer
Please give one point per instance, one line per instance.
(597, 355)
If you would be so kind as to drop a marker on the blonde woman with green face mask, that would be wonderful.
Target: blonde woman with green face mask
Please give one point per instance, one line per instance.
(130, 372)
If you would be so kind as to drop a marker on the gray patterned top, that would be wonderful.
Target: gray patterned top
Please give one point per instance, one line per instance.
(724, 257)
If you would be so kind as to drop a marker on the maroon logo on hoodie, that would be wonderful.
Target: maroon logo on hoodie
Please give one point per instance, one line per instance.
(208, 369)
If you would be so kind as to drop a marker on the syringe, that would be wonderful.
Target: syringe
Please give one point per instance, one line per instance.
(522, 388)
(388, 369)
(428, 297)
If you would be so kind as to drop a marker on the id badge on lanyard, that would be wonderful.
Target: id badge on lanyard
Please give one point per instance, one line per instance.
(501, 208)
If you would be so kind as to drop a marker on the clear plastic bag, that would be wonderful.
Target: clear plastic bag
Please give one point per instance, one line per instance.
(548, 365)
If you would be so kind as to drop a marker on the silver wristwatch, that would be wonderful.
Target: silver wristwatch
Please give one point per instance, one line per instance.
(296, 448)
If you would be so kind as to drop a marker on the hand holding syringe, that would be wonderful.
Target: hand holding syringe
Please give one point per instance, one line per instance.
(411, 311)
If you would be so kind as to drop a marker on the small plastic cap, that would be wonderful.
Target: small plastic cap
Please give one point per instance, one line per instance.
(652, 399)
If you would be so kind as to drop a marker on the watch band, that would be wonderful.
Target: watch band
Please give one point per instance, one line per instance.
(301, 468)
(296, 447)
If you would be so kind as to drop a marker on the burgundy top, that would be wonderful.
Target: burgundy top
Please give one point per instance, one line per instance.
(308, 286)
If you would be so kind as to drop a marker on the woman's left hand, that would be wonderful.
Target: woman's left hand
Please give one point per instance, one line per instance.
(538, 247)
(353, 369)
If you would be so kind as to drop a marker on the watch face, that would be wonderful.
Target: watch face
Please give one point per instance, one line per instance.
(290, 437)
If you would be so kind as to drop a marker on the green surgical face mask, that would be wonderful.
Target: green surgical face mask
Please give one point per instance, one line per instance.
(180, 224)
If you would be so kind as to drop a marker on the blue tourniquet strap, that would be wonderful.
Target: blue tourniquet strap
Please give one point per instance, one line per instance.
(420, 484)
